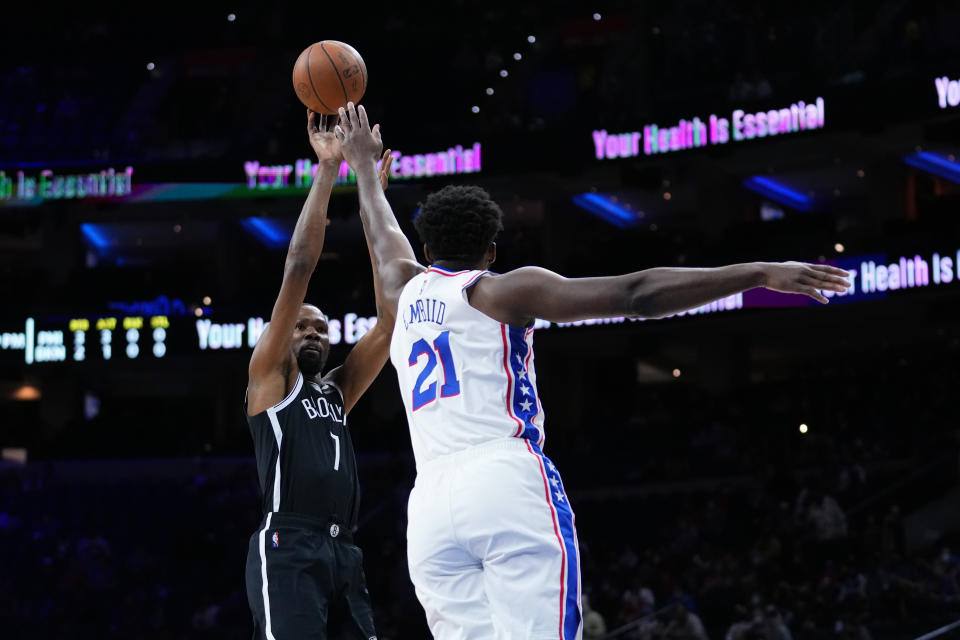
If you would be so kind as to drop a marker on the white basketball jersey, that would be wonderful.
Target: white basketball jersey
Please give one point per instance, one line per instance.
(466, 379)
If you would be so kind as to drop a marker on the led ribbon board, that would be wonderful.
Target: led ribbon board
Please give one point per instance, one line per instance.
(454, 161)
(948, 92)
(111, 337)
(692, 133)
(47, 185)
(22, 188)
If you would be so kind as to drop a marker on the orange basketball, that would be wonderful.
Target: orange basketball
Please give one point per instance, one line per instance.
(329, 74)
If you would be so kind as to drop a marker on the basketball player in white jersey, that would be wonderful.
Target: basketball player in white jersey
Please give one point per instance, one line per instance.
(491, 541)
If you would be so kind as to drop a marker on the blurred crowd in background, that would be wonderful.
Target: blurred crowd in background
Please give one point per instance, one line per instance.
(743, 529)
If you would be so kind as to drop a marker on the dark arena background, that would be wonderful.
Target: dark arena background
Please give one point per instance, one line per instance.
(761, 468)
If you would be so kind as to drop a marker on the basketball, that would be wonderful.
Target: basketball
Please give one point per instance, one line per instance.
(328, 74)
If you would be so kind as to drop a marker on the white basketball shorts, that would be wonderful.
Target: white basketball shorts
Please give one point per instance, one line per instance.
(492, 546)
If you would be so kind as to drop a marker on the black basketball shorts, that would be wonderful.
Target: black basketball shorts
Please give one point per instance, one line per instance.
(305, 581)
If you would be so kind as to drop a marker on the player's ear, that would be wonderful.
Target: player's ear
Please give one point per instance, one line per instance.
(427, 254)
(492, 253)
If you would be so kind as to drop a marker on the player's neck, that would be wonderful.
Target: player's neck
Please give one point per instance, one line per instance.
(309, 377)
(453, 265)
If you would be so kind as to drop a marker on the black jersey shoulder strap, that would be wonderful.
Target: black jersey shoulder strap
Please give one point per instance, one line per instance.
(297, 386)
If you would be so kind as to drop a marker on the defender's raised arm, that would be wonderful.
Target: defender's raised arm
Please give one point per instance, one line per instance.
(368, 356)
(395, 259)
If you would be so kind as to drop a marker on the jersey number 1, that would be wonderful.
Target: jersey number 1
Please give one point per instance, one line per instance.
(451, 385)
(336, 460)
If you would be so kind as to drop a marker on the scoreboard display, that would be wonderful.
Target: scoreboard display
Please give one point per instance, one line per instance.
(105, 335)
(84, 339)
(133, 338)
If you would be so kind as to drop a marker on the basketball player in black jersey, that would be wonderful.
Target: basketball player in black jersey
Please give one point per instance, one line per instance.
(302, 564)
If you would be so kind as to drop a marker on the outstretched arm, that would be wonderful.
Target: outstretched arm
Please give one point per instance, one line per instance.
(395, 260)
(272, 359)
(368, 356)
(520, 296)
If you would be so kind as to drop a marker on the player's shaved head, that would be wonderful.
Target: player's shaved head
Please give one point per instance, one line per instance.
(306, 306)
(458, 223)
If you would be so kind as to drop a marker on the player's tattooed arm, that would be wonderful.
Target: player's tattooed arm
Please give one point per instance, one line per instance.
(520, 296)
(366, 359)
(395, 259)
(271, 360)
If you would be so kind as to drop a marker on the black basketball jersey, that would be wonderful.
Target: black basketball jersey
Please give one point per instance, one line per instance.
(305, 458)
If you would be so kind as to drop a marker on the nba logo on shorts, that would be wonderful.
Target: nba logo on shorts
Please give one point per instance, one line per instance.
(276, 539)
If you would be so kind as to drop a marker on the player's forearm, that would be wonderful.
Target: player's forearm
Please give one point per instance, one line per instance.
(363, 364)
(379, 223)
(663, 291)
(306, 243)
(385, 317)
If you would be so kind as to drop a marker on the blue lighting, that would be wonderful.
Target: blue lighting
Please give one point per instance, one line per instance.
(95, 235)
(779, 192)
(268, 231)
(936, 164)
(603, 207)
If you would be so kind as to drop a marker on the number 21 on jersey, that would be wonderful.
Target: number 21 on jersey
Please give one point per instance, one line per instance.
(450, 386)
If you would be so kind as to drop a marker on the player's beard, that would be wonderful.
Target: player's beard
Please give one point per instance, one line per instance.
(311, 362)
